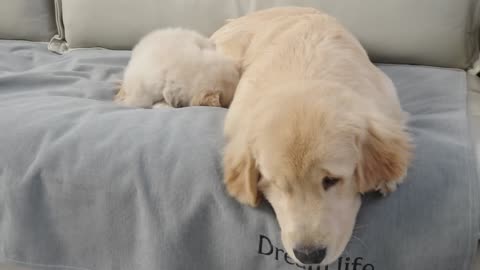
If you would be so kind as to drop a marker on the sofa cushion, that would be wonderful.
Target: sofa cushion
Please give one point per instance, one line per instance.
(429, 32)
(27, 19)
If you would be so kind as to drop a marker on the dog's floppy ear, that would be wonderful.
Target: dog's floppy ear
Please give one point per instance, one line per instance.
(241, 175)
(385, 155)
(211, 99)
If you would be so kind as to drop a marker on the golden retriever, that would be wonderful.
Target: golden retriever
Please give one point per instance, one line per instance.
(313, 125)
(177, 67)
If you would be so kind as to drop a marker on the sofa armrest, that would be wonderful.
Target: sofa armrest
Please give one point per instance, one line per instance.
(474, 111)
(474, 114)
(476, 262)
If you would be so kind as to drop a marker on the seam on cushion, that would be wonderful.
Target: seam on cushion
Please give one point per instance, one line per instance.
(472, 33)
(59, 18)
(474, 188)
(421, 66)
(58, 43)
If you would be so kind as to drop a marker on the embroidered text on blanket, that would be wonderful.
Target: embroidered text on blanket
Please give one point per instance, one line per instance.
(266, 248)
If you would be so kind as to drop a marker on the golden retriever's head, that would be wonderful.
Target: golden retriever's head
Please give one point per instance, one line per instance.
(311, 158)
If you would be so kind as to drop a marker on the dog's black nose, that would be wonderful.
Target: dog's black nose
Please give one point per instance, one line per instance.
(310, 255)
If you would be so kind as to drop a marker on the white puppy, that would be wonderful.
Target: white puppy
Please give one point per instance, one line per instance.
(178, 67)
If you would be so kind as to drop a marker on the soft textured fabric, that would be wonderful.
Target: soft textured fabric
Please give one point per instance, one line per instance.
(474, 110)
(432, 32)
(473, 107)
(87, 184)
(27, 19)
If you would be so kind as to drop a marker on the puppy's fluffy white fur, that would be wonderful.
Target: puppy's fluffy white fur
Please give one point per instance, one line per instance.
(313, 125)
(177, 67)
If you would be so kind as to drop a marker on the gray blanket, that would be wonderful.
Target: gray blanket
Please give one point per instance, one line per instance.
(87, 184)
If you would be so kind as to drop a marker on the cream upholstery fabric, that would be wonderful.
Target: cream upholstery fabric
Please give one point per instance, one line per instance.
(428, 32)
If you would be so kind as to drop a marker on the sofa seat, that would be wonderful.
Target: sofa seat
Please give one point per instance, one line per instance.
(88, 184)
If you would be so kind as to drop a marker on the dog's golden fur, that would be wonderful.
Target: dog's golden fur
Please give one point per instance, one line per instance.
(310, 107)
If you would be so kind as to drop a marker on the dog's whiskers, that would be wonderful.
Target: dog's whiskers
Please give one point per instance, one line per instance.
(360, 226)
(360, 241)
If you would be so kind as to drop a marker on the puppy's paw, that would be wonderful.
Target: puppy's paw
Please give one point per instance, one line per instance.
(161, 105)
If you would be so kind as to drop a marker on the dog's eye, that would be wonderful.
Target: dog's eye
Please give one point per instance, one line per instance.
(329, 182)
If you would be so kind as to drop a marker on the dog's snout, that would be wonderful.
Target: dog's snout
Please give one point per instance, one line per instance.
(310, 255)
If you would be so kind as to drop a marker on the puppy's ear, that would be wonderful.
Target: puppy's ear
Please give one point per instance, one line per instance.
(211, 99)
(241, 175)
(386, 151)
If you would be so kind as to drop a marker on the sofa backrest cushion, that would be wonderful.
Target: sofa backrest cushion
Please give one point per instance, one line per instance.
(426, 32)
(27, 19)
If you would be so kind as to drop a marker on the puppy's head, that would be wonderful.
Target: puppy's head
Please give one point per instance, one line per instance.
(311, 157)
(217, 81)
